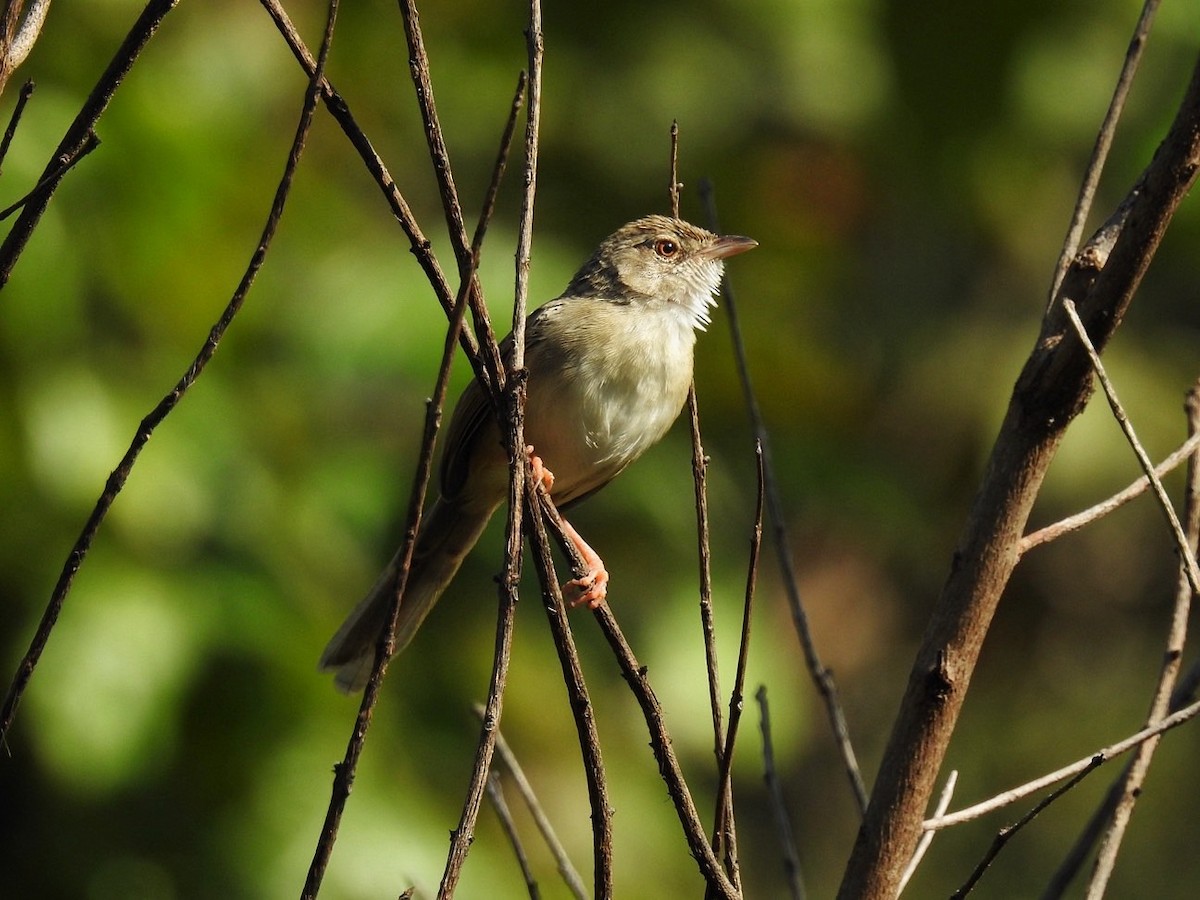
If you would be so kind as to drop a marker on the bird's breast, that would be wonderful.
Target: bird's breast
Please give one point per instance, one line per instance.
(606, 382)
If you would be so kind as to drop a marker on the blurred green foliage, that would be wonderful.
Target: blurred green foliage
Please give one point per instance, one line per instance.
(908, 169)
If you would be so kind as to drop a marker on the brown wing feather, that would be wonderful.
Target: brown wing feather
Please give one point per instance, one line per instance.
(473, 414)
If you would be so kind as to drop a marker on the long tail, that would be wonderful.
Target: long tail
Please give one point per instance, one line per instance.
(448, 533)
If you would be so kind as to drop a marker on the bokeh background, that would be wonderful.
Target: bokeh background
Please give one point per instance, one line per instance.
(908, 169)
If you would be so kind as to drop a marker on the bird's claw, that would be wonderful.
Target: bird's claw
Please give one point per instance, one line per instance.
(541, 475)
(589, 590)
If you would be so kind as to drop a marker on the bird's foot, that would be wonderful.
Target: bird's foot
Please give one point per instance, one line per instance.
(541, 475)
(591, 588)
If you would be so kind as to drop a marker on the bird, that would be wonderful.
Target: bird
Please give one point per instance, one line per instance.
(609, 365)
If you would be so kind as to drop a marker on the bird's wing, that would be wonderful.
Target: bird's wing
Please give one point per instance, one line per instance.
(473, 414)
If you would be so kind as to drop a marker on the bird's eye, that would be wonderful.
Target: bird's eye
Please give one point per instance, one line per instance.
(666, 248)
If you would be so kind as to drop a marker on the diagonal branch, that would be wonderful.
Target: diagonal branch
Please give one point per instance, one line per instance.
(116, 480)
(419, 245)
(634, 674)
(1052, 389)
(73, 141)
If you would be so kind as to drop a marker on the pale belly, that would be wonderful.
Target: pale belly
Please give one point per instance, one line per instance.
(610, 402)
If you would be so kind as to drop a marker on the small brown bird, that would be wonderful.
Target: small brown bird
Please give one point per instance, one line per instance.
(609, 363)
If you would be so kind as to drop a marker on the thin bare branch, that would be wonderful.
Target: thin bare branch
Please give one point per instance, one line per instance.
(821, 676)
(703, 542)
(783, 824)
(660, 739)
(1186, 556)
(345, 771)
(943, 804)
(724, 830)
(117, 479)
(419, 245)
(15, 119)
(1108, 128)
(514, 421)
(48, 183)
(509, 760)
(1117, 500)
(704, 555)
(1130, 785)
(495, 792)
(418, 63)
(77, 133)
(1032, 787)
(580, 703)
(1004, 835)
(675, 184)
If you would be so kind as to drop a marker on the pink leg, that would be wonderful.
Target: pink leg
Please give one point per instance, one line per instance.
(592, 588)
(541, 474)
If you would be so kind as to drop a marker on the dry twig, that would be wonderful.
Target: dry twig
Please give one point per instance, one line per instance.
(1104, 139)
(1085, 764)
(495, 792)
(344, 772)
(783, 824)
(1103, 508)
(821, 676)
(11, 249)
(724, 830)
(660, 739)
(514, 409)
(77, 133)
(15, 119)
(943, 804)
(1129, 786)
(1004, 835)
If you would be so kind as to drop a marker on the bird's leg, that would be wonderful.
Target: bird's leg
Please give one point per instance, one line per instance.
(592, 587)
(541, 474)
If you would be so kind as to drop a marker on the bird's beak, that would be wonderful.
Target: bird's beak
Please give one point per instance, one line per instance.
(729, 245)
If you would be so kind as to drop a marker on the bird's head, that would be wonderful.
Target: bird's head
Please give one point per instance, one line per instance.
(657, 260)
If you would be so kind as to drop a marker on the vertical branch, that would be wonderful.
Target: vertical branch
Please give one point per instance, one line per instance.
(675, 184)
(77, 134)
(783, 824)
(723, 828)
(821, 676)
(703, 545)
(514, 383)
(580, 702)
